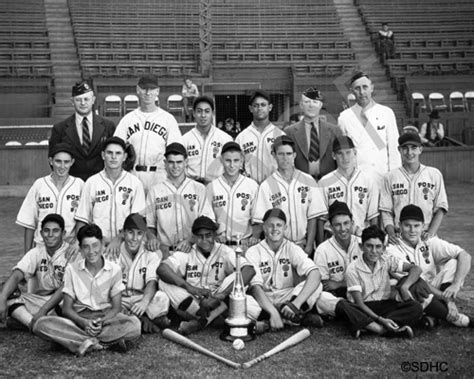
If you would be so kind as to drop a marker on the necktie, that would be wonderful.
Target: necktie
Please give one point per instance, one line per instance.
(86, 137)
(313, 144)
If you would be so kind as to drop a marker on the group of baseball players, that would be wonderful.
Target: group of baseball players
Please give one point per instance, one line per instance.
(136, 227)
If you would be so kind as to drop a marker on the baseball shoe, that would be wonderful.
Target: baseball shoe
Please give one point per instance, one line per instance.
(85, 347)
(462, 321)
(404, 331)
(148, 326)
(120, 345)
(312, 319)
(429, 322)
(189, 327)
(162, 322)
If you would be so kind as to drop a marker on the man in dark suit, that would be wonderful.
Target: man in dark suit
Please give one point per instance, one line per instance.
(313, 137)
(84, 132)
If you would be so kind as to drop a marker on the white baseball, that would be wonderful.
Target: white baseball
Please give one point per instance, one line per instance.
(238, 344)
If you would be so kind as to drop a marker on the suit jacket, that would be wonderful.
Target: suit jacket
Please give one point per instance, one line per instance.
(86, 164)
(327, 133)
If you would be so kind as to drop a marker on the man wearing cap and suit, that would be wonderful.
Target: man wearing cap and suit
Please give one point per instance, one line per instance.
(432, 132)
(84, 131)
(313, 137)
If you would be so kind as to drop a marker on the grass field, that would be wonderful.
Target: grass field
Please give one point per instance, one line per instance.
(328, 352)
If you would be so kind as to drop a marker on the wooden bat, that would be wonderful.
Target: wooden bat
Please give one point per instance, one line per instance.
(178, 338)
(291, 341)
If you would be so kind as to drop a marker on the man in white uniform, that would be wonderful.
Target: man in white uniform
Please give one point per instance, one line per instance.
(149, 129)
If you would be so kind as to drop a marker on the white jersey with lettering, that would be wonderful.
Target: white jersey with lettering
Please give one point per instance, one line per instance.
(425, 189)
(149, 133)
(108, 204)
(204, 162)
(360, 193)
(172, 211)
(233, 206)
(44, 198)
(257, 149)
(276, 271)
(300, 200)
(332, 259)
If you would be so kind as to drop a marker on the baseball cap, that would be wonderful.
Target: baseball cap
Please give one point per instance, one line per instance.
(357, 76)
(148, 82)
(412, 212)
(60, 148)
(342, 142)
(135, 221)
(259, 93)
(338, 208)
(81, 88)
(283, 140)
(313, 93)
(116, 141)
(274, 212)
(175, 148)
(409, 138)
(203, 222)
(230, 146)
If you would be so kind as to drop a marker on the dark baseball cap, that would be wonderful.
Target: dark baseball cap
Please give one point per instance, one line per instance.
(338, 208)
(148, 82)
(274, 212)
(283, 140)
(342, 142)
(231, 146)
(203, 222)
(313, 93)
(175, 148)
(409, 138)
(259, 93)
(60, 148)
(81, 88)
(412, 212)
(135, 221)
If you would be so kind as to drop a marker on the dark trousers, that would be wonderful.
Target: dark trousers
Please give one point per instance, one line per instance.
(354, 317)
(404, 313)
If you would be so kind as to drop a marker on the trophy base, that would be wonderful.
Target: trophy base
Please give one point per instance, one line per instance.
(244, 332)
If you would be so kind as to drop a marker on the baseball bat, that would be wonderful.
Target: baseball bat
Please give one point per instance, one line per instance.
(291, 341)
(178, 338)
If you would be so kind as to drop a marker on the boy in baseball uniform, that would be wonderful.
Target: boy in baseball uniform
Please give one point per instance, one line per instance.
(199, 282)
(413, 183)
(92, 302)
(204, 142)
(55, 193)
(232, 197)
(444, 267)
(46, 263)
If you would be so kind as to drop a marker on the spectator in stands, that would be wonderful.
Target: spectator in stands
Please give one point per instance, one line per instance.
(313, 137)
(189, 92)
(84, 131)
(373, 129)
(229, 127)
(387, 42)
(432, 132)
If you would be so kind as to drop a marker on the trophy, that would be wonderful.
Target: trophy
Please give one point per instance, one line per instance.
(238, 325)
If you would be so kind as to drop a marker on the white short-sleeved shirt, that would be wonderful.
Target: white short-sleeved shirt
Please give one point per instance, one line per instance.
(172, 211)
(332, 259)
(204, 154)
(277, 270)
(257, 149)
(48, 270)
(108, 204)
(44, 198)
(300, 200)
(233, 206)
(92, 292)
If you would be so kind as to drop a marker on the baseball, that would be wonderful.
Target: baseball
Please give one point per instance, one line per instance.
(238, 344)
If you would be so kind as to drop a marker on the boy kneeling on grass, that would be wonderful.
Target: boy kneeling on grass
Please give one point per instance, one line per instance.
(92, 301)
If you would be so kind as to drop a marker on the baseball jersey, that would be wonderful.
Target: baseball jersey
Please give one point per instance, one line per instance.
(149, 133)
(48, 270)
(172, 211)
(257, 149)
(332, 260)
(300, 200)
(204, 154)
(374, 285)
(377, 141)
(428, 255)
(278, 270)
(44, 198)
(360, 193)
(139, 270)
(92, 292)
(108, 204)
(203, 272)
(233, 206)
(424, 189)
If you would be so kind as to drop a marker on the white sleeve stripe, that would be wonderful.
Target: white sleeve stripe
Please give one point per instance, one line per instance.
(356, 288)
